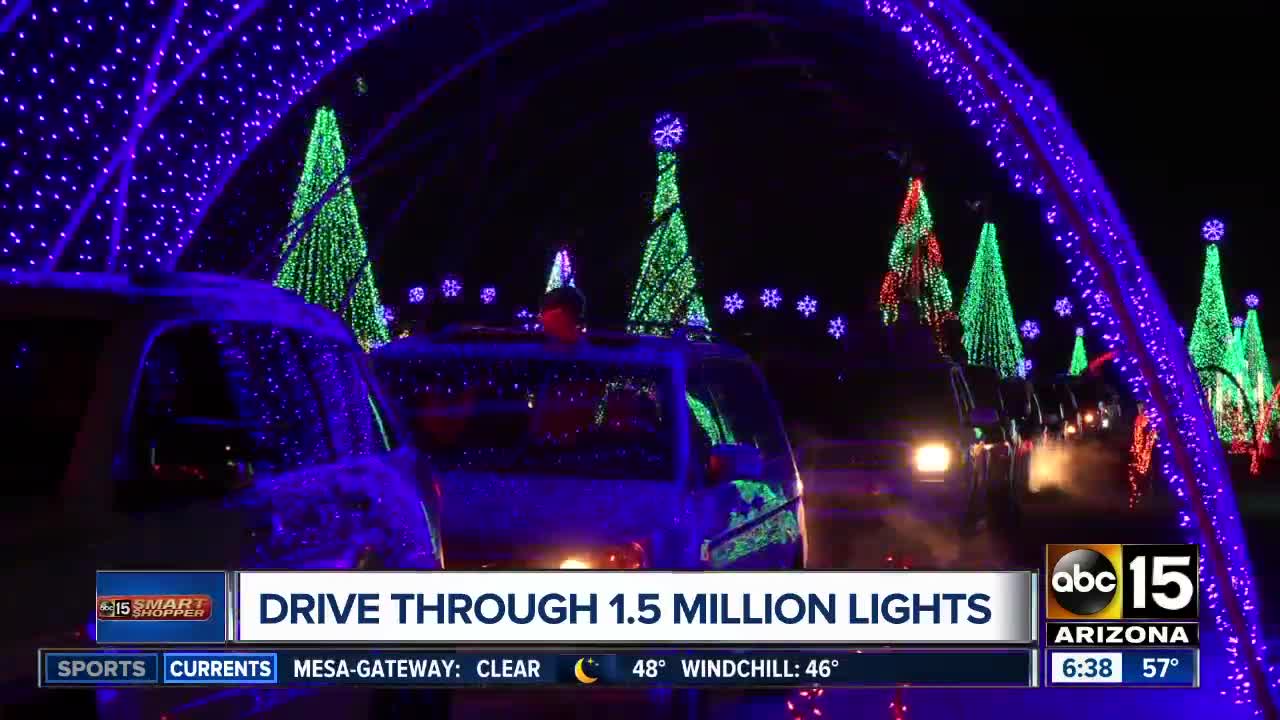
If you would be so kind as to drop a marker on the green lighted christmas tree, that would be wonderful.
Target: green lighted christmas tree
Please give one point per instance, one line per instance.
(1079, 358)
(326, 260)
(915, 264)
(1211, 341)
(990, 332)
(666, 292)
(562, 274)
(1257, 366)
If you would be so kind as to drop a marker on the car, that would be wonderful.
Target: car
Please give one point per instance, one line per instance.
(180, 421)
(1008, 455)
(620, 451)
(894, 436)
(1061, 412)
(1099, 404)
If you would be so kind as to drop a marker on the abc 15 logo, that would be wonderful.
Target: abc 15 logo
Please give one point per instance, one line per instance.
(1113, 582)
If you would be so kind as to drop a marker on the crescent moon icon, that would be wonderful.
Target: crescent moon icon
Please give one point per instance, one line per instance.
(581, 674)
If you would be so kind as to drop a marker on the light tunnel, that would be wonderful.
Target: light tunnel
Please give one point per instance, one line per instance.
(128, 122)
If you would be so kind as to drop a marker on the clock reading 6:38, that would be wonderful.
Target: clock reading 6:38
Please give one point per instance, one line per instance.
(1090, 667)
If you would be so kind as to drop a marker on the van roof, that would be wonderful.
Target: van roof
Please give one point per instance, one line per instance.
(117, 296)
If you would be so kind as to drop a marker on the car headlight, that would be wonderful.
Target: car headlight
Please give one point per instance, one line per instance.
(1090, 418)
(1071, 429)
(932, 458)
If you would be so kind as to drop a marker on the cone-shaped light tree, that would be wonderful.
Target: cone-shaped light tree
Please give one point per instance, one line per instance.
(1211, 341)
(1079, 358)
(326, 260)
(990, 332)
(1257, 375)
(562, 274)
(915, 264)
(666, 292)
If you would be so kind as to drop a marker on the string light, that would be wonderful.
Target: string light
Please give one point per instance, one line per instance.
(771, 298)
(666, 293)
(1030, 329)
(326, 260)
(915, 263)
(1213, 230)
(1063, 307)
(668, 131)
(561, 274)
(990, 332)
(837, 327)
(1144, 441)
(488, 294)
(733, 303)
(1210, 342)
(1079, 359)
(451, 288)
(92, 102)
(417, 295)
(807, 306)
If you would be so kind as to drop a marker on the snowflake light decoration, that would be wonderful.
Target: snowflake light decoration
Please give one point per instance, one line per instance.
(451, 288)
(1063, 307)
(1030, 329)
(1252, 301)
(488, 295)
(733, 303)
(526, 319)
(771, 298)
(837, 327)
(1213, 230)
(1027, 367)
(1079, 332)
(668, 131)
(807, 306)
(417, 295)
(388, 313)
(1237, 321)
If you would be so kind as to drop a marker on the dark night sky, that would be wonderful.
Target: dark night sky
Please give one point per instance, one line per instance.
(786, 177)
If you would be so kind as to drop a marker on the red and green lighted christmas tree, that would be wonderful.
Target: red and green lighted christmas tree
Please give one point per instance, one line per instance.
(1211, 343)
(915, 264)
(990, 332)
(326, 260)
(666, 292)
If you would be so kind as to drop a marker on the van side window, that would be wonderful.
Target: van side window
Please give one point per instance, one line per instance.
(214, 406)
(356, 424)
(737, 407)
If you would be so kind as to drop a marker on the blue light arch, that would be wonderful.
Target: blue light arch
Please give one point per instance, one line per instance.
(129, 122)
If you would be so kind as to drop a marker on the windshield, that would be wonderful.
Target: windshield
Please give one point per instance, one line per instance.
(49, 374)
(864, 404)
(537, 415)
(985, 386)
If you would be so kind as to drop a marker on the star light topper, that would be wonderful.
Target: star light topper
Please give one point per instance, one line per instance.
(1079, 332)
(1063, 307)
(733, 303)
(1213, 230)
(668, 131)
(771, 298)
(1030, 329)
(1237, 321)
(1252, 301)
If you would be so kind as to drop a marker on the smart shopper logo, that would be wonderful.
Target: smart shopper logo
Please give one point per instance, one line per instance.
(1130, 582)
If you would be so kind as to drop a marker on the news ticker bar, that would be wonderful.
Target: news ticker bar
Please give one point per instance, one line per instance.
(743, 668)
(1145, 668)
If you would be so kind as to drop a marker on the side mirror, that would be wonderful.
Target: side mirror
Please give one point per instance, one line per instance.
(984, 417)
(735, 462)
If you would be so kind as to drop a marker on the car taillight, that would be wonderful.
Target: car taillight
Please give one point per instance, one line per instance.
(631, 556)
